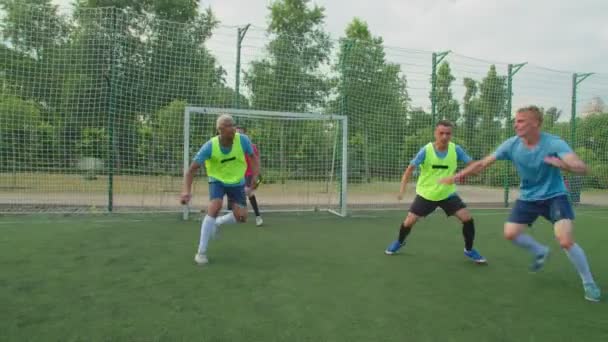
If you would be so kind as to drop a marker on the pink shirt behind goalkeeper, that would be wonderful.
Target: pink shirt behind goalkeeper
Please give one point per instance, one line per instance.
(256, 152)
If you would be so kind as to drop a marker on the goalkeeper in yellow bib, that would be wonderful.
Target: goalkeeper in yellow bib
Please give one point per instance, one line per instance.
(437, 160)
(225, 161)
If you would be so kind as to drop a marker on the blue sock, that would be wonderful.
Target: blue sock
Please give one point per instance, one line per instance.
(579, 260)
(206, 231)
(527, 242)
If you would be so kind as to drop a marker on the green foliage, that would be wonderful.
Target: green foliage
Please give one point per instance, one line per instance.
(167, 137)
(369, 87)
(94, 143)
(122, 71)
(447, 106)
(298, 48)
(20, 121)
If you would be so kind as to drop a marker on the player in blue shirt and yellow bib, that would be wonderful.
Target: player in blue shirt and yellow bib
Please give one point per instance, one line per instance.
(224, 159)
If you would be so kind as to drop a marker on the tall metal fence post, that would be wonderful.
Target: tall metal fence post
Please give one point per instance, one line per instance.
(110, 78)
(436, 59)
(237, 76)
(575, 181)
(512, 69)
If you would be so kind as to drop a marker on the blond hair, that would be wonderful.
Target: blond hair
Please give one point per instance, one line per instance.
(222, 119)
(536, 112)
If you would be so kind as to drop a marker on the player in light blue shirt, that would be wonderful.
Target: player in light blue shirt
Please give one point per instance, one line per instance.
(539, 158)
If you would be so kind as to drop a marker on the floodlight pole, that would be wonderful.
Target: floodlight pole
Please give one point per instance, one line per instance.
(237, 80)
(576, 80)
(437, 58)
(512, 69)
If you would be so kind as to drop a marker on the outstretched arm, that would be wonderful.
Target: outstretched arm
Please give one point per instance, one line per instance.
(188, 179)
(404, 179)
(472, 169)
(255, 167)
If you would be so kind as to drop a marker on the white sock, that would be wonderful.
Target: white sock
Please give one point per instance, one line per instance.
(207, 228)
(226, 219)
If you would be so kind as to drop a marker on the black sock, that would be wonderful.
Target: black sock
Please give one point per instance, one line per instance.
(404, 232)
(254, 204)
(468, 231)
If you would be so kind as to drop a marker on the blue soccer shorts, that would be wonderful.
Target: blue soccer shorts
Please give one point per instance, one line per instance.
(235, 193)
(553, 209)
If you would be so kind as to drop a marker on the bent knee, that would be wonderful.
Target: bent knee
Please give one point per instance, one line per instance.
(565, 242)
(241, 217)
(511, 231)
(510, 235)
(410, 220)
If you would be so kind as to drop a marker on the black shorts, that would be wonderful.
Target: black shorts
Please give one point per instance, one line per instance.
(422, 207)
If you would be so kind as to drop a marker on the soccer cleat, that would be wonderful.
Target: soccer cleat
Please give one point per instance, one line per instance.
(592, 292)
(200, 259)
(539, 260)
(474, 256)
(394, 247)
(258, 221)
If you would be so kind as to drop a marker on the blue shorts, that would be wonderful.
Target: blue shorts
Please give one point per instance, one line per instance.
(235, 193)
(553, 209)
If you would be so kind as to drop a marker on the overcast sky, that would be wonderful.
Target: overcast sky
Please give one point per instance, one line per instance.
(564, 35)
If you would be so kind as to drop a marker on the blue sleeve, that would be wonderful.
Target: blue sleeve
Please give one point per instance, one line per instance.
(462, 155)
(203, 154)
(503, 152)
(246, 145)
(419, 158)
(560, 147)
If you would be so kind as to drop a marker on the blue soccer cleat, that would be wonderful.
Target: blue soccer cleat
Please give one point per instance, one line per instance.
(592, 292)
(394, 247)
(474, 256)
(539, 260)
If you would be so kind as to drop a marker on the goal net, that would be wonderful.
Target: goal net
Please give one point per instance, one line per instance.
(303, 157)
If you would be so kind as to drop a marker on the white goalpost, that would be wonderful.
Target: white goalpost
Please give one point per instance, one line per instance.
(304, 157)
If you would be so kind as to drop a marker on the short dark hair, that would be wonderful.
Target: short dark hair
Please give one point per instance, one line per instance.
(242, 128)
(445, 123)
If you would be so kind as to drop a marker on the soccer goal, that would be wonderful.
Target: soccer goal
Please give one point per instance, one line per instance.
(303, 157)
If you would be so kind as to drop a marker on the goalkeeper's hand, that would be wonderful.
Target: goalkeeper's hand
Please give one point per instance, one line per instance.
(257, 182)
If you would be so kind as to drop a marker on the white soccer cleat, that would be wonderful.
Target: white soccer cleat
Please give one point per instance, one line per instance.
(258, 221)
(200, 259)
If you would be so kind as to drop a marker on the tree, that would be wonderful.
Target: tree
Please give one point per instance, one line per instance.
(289, 78)
(167, 134)
(33, 35)
(146, 54)
(20, 121)
(447, 106)
(33, 27)
(491, 105)
(551, 116)
(372, 93)
(471, 112)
